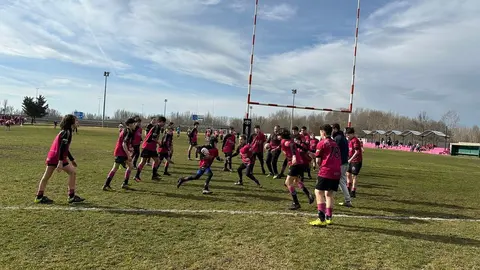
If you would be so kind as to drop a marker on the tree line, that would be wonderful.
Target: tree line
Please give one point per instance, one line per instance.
(362, 119)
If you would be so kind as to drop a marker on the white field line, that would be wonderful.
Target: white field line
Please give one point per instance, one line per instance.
(214, 211)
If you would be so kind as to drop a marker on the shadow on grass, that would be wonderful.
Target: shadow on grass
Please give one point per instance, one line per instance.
(379, 186)
(376, 196)
(418, 213)
(210, 197)
(434, 204)
(381, 176)
(461, 241)
(137, 211)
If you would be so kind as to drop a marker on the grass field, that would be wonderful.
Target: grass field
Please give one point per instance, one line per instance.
(392, 184)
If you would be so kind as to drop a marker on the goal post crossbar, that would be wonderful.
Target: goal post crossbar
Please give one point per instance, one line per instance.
(299, 107)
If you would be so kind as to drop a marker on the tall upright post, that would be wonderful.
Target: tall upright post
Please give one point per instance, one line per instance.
(294, 92)
(105, 74)
(251, 59)
(352, 89)
(165, 108)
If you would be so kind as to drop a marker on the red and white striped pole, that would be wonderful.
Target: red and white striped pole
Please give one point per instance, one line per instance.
(251, 60)
(352, 90)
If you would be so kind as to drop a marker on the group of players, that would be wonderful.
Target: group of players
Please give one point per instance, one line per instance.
(339, 160)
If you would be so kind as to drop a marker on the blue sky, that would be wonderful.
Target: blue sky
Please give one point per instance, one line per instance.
(413, 54)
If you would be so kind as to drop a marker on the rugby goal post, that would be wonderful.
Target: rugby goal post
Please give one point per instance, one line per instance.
(247, 120)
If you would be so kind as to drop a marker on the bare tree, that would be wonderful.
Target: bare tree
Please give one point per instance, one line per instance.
(4, 106)
(450, 119)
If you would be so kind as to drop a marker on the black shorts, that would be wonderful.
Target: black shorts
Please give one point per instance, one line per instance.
(121, 160)
(148, 154)
(193, 143)
(163, 155)
(295, 170)
(354, 168)
(65, 164)
(326, 184)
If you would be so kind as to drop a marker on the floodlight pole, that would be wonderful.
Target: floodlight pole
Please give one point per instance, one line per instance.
(106, 74)
(165, 108)
(294, 92)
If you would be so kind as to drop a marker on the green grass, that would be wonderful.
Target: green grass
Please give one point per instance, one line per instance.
(391, 184)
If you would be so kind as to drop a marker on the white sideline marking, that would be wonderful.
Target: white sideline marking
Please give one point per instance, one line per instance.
(229, 212)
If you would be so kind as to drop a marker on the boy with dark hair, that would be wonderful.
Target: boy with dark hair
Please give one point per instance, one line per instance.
(355, 159)
(273, 148)
(329, 173)
(228, 147)
(257, 146)
(248, 161)
(123, 154)
(193, 140)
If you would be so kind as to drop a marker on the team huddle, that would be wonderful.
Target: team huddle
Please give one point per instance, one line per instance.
(338, 160)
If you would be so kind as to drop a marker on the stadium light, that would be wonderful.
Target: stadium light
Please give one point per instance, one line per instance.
(294, 92)
(106, 74)
(165, 108)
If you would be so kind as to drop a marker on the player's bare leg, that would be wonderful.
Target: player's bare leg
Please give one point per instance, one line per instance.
(72, 182)
(43, 185)
(290, 183)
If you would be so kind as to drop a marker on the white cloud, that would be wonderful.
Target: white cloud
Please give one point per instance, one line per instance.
(411, 53)
(281, 12)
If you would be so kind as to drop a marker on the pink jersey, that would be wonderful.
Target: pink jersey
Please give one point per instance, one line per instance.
(228, 143)
(286, 146)
(355, 145)
(151, 139)
(126, 137)
(137, 136)
(60, 147)
(258, 142)
(313, 144)
(206, 162)
(194, 135)
(246, 153)
(331, 162)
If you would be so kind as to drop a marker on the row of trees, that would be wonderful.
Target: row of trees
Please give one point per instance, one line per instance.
(363, 119)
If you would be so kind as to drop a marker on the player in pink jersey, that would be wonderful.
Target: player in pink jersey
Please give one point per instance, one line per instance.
(123, 154)
(150, 149)
(313, 148)
(329, 173)
(274, 151)
(137, 140)
(165, 148)
(258, 145)
(193, 140)
(248, 161)
(208, 153)
(295, 168)
(355, 160)
(57, 159)
(227, 148)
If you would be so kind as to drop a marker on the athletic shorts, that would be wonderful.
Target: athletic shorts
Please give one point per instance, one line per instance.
(163, 155)
(65, 164)
(354, 168)
(121, 160)
(204, 170)
(295, 170)
(193, 143)
(148, 153)
(326, 184)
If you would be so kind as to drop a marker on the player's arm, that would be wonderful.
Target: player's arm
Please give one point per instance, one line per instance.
(126, 137)
(294, 156)
(63, 145)
(237, 152)
(225, 140)
(318, 155)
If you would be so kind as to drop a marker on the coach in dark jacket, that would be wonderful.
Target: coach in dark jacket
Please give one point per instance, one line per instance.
(342, 143)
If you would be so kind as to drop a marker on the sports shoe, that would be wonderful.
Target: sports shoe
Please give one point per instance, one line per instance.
(167, 174)
(239, 183)
(156, 177)
(328, 220)
(294, 206)
(43, 200)
(346, 204)
(179, 182)
(75, 199)
(318, 223)
(107, 188)
(125, 186)
(138, 179)
(206, 191)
